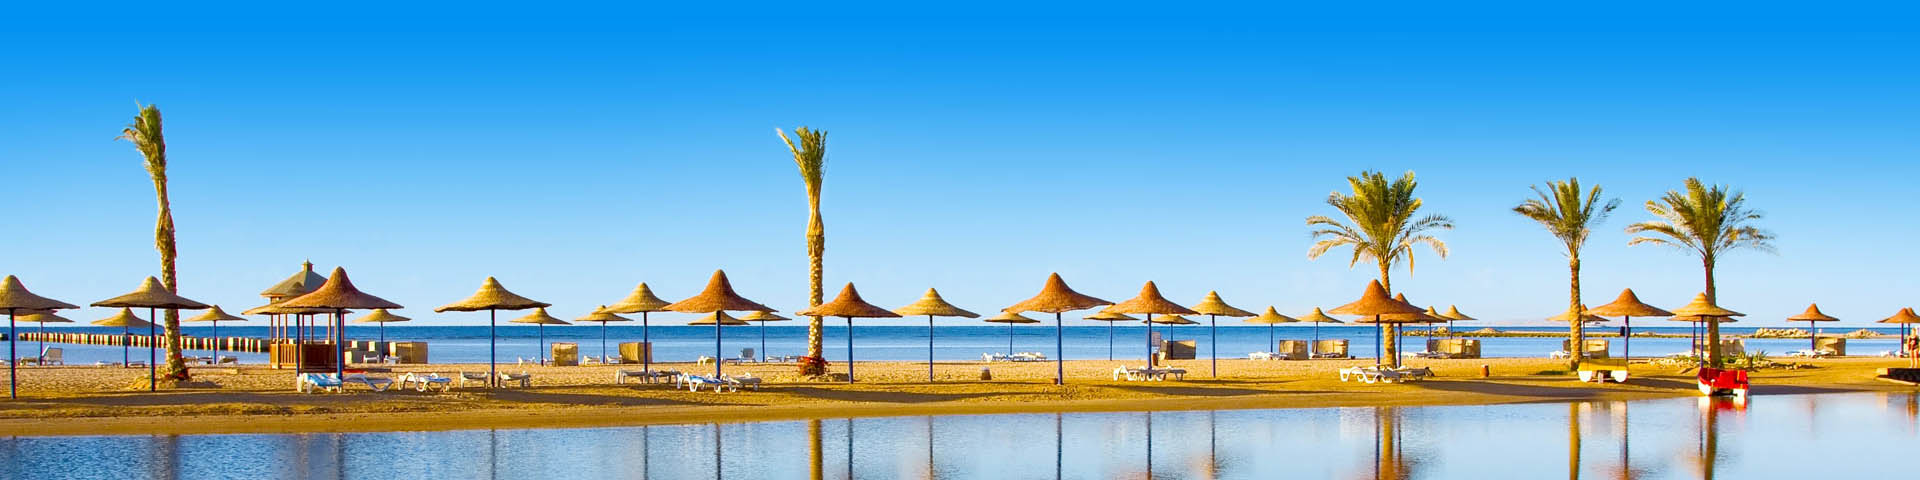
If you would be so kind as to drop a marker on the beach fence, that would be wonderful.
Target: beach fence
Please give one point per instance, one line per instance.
(226, 344)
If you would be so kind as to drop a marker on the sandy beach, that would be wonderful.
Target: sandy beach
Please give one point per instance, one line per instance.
(93, 400)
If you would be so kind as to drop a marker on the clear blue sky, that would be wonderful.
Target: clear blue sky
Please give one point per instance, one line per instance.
(575, 152)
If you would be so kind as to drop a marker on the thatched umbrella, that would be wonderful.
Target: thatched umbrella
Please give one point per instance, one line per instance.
(126, 321)
(493, 298)
(1213, 307)
(1626, 307)
(1271, 318)
(1149, 302)
(603, 317)
(152, 296)
(42, 317)
(762, 318)
(1055, 297)
(641, 301)
(15, 297)
(848, 305)
(1453, 315)
(1586, 318)
(339, 295)
(1375, 303)
(215, 316)
(1316, 318)
(1110, 318)
(540, 319)
(296, 333)
(1701, 311)
(1399, 320)
(1010, 318)
(381, 317)
(1812, 316)
(1905, 317)
(932, 305)
(717, 297)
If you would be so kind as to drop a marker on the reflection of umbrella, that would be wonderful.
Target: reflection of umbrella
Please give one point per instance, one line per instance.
(1905, 317)
(381, 317)
(340, 295)
(848, 305)
(1010, 318)
(1149, 302)
(1453, 315)
(641, 301)
(1271, 318)
(1702, 311)
(1626, 307)
(602, 316)
(1811, 316)
(762, 318)
(43, 317)
(1317, 318)
(1110, 318)
(1213, 307)
(717, 297)
(1374, 302)
(125, 320)
(932, 305)
(152, 296)
(493, 298)
(540, 319)
(1054, 298)
(215, 316)
(15, 297)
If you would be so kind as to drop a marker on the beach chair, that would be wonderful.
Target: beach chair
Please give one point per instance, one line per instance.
(746, 356)
(52, 356)
(523, 378)
(1603, 369)
(1263, 356)
(425, 381)
(226, 359)
(475, 377)
(694, 382)
(378, 384)
(1413, 374)
(747, 380)
(1371, 374)
(620, 377)
(313, 382)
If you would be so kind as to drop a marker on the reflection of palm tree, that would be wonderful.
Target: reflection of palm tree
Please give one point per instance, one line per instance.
(1573, 440)
(814, 463)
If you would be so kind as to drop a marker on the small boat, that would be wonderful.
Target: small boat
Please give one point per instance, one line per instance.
(1717, 381)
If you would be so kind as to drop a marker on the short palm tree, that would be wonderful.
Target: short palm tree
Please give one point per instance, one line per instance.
(810, 154)
(146, 135)
(1706, 222)
(1569, 213)
(1381, 229)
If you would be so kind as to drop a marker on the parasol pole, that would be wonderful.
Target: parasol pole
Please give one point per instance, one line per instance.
(929, 347)
(1059, 351)
(849, 350)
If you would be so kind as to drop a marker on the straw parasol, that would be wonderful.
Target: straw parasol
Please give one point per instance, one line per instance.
(643, 302)
(1586, 316)
(1812, 316)
(1213, 307)
(1374, 302)
(1316, 318)
(1010, 319)
(1055, 297)
(1271, 318)
(603, 317)
(1453, 315)
(126, 321)
(1110, 318)
(43, 317)
(493, 298)
(339, 295)
(1905, 317)
(1626, 307)
(1702, 311)
(540, 319)
(762, 318)
(15, 297)
(152, 296)
(848, 305)
(717, 297)
(214, 316)
(1398, 322)
(932, 305)
(1149, 302)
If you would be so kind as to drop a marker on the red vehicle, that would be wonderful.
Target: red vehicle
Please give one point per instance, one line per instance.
(1716, 381)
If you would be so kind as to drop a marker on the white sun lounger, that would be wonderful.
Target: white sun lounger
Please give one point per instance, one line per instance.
(747, 380)
(378, 384)
(312, 382)
(694, 382)
(425, 381)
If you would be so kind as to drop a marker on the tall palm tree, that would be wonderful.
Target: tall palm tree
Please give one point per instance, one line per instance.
(1569, 214)
(1382, 228)
(145, 134)
(810, 154)
(1706, 222)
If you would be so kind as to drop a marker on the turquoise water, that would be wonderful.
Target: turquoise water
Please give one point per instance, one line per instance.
(1793, 436)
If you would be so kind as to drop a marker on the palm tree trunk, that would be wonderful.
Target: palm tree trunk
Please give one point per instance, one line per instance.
(1573, 305)
(1387, 339)
(816, 293)
(176, 366)
(1713, 325)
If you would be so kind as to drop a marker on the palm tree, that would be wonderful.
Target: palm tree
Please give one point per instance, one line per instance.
(1569, 214)
(810, 154)
(1383, 229)
(146, 136)
(1705, 222)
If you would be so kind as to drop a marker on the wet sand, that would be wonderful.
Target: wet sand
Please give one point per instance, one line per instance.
(95, 400)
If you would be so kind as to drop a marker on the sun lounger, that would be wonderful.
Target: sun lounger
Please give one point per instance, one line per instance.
(378, 384)
(1029, 357)
(1148, 374)
(312, 382)
(52, 356)
(743, 380)
(1432, 354)
(1263, 356)
(425, 381)
(694, 382)
(226, 359)
(523, 378)
(476, 377)
(1382, 373)
(994, 357)
(645, 376)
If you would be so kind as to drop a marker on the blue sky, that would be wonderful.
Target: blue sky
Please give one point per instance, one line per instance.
(574, 152)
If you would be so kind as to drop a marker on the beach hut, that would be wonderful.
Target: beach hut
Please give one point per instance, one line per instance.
(762, 318)
(1111, 318)
(602, 317)
(126, 321)
(1453, 315)
(1702, 311)
(14, 297)
(493, 298)
(152, 296)
(1627, 306)
(1271, 318)
(339, 295)
(1149, 302)
(1904, 318)
(540, 319)
(281, 331)
(214, 316)
(932, 305)
(641, 301)
(41, 318)
(1317, 317)
(1375, 304)
(1214, 308)
(1010, 319)
(1813, 316)
(848, 305)
(1055, 297)
(717, 297)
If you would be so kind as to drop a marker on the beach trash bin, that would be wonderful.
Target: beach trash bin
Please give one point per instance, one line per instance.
(566, 354)
(986, 373)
